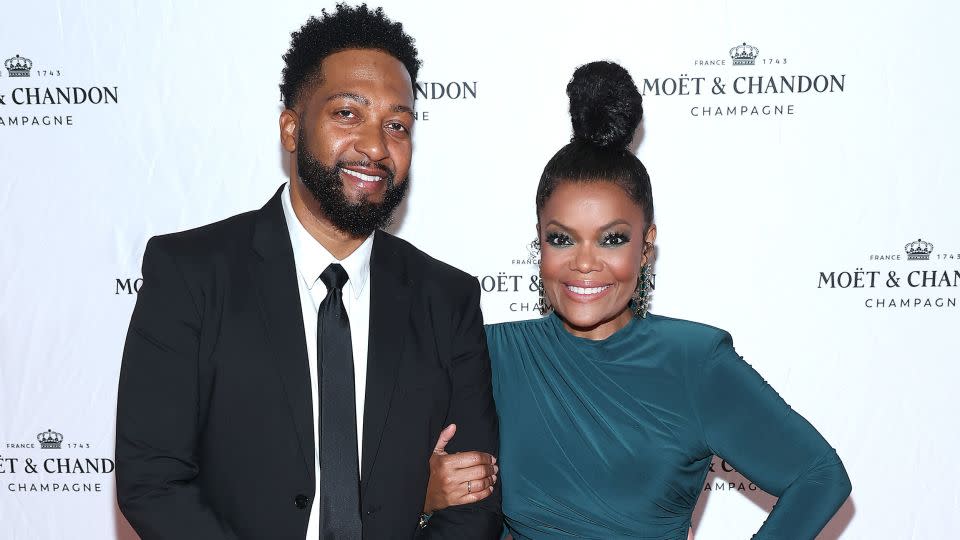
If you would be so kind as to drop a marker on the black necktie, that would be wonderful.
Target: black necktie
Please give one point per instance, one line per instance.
(339, 471)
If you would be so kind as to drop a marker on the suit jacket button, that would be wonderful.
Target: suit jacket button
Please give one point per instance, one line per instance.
(301, 501)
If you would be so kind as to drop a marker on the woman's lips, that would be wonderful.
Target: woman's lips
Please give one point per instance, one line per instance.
(586, 291)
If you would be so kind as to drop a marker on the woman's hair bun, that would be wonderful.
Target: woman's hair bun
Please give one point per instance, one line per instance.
(605, 105)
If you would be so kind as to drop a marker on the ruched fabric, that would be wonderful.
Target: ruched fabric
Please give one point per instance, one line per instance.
(614, 438)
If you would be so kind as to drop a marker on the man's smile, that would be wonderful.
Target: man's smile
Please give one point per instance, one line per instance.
(361, 176)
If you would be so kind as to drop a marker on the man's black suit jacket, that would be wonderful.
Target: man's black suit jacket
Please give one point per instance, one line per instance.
(214, 419)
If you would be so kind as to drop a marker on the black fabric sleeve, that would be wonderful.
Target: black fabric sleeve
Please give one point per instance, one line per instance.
(474, 414)
(157, 410)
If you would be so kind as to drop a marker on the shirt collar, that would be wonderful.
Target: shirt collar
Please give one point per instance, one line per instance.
(312, 258)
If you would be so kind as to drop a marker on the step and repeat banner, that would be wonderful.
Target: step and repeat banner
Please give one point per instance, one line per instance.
(803, 159)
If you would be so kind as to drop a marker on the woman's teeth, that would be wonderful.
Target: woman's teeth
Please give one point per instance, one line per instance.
(587, 290)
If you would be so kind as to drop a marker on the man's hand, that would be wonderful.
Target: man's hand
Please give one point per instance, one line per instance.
(461, 478)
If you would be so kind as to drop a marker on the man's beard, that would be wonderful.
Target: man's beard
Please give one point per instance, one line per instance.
(357, 219)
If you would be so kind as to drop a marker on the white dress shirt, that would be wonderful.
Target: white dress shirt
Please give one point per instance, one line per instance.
(311, 259)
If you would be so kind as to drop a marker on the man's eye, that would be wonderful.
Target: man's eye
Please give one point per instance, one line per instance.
(397, 126)
(344, 114)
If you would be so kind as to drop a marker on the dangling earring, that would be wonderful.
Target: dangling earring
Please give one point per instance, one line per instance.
(641, 295)
(544, 304)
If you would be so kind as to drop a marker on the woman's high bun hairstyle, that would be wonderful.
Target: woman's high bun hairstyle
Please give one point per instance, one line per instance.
(605, 108)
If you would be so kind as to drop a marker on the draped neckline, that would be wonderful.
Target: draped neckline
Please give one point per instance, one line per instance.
(613, 339)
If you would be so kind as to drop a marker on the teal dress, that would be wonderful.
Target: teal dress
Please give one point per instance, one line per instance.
(614, 438)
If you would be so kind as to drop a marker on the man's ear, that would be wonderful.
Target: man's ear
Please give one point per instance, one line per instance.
(289, 129)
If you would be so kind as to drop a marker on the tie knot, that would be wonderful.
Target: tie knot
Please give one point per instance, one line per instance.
(334, 277)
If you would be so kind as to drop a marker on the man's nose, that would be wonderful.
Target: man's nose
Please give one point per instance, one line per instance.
(371, 142)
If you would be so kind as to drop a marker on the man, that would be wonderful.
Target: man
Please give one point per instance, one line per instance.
(286, 370)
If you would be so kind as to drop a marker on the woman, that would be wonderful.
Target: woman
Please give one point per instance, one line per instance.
(609, 416)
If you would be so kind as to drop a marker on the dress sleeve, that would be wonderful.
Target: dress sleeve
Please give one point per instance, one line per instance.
(745, 422)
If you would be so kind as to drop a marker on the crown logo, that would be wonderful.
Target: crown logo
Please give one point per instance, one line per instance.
(50, 439)
(744, 55)
(919, 250)
(533, 248)
(18, 66)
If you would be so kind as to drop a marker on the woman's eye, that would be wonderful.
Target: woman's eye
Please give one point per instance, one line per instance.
(615, 239)
(559, 239)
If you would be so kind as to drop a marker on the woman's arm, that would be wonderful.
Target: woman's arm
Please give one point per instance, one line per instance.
(745, 422)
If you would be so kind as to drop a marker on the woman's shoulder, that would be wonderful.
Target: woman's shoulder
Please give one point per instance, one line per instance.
(662, 325)
(691, 334)
(682, 336)
(508, 331)
(515, 326)
(518, 338)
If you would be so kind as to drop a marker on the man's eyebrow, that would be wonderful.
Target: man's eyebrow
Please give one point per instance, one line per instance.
(366, 102)
(348, 95)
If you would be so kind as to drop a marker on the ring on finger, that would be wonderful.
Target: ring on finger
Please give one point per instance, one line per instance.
(468, 486)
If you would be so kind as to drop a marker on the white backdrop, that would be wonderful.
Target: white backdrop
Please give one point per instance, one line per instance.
(783, 214)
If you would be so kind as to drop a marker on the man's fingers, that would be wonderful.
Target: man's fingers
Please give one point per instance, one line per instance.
(445, 436)
(479, 478)
(477, 472)
(463, 460)
(474, 495)
(480, 485)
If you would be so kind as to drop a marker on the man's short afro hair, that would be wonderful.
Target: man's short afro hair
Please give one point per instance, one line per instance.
(346, 28)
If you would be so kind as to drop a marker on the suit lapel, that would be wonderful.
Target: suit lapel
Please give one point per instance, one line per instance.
(275, 276)
(389, 306)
